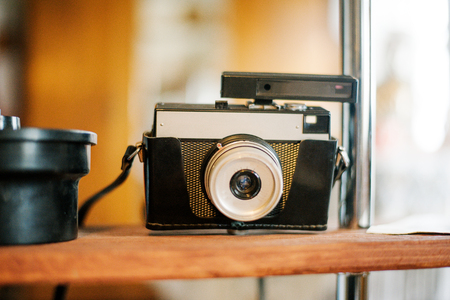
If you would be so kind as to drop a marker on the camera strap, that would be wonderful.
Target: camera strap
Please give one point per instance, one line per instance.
(342, 163)
(127, 162)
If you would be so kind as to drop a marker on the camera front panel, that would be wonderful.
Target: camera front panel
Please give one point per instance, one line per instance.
(194, 153)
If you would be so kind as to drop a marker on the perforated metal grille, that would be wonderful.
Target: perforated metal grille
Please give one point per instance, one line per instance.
(193, 154)
(287, 152)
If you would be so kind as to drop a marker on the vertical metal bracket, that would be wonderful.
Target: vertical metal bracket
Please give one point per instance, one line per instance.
(355, 203)
(352, 286)
(12, 123)
(357, 184)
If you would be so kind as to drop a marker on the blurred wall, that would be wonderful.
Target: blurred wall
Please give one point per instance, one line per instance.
(11, 56)
(76, 77)
(286, 36)
(102, 65)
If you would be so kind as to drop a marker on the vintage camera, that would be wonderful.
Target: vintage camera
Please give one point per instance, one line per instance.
(255, 166)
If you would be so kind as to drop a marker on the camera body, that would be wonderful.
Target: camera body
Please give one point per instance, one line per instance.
(235, 167)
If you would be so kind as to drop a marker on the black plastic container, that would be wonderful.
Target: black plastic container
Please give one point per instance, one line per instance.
(39, 174)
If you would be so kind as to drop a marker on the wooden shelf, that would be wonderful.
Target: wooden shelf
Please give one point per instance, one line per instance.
(110, 254)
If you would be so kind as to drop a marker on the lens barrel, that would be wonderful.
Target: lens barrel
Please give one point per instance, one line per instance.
(242, 177)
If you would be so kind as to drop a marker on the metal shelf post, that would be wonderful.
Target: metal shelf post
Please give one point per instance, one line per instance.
(357, 184)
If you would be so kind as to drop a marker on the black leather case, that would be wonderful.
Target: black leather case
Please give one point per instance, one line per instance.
(167, 197)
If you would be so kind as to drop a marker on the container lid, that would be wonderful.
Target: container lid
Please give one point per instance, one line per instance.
(48, 135)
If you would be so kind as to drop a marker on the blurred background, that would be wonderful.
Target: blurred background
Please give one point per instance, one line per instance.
(102, 66)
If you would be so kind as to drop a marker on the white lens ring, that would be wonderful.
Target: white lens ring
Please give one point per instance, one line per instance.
(233, 158)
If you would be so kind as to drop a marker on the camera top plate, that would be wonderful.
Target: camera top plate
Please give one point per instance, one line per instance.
(206, 121)
(270, 86)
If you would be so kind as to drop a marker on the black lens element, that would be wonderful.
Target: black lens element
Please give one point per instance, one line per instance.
(245, 184)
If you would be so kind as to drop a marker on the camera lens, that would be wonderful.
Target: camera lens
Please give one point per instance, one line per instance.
(243, 167)
(245, 184)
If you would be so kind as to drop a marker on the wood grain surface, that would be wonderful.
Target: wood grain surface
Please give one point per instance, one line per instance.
(133, 253)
